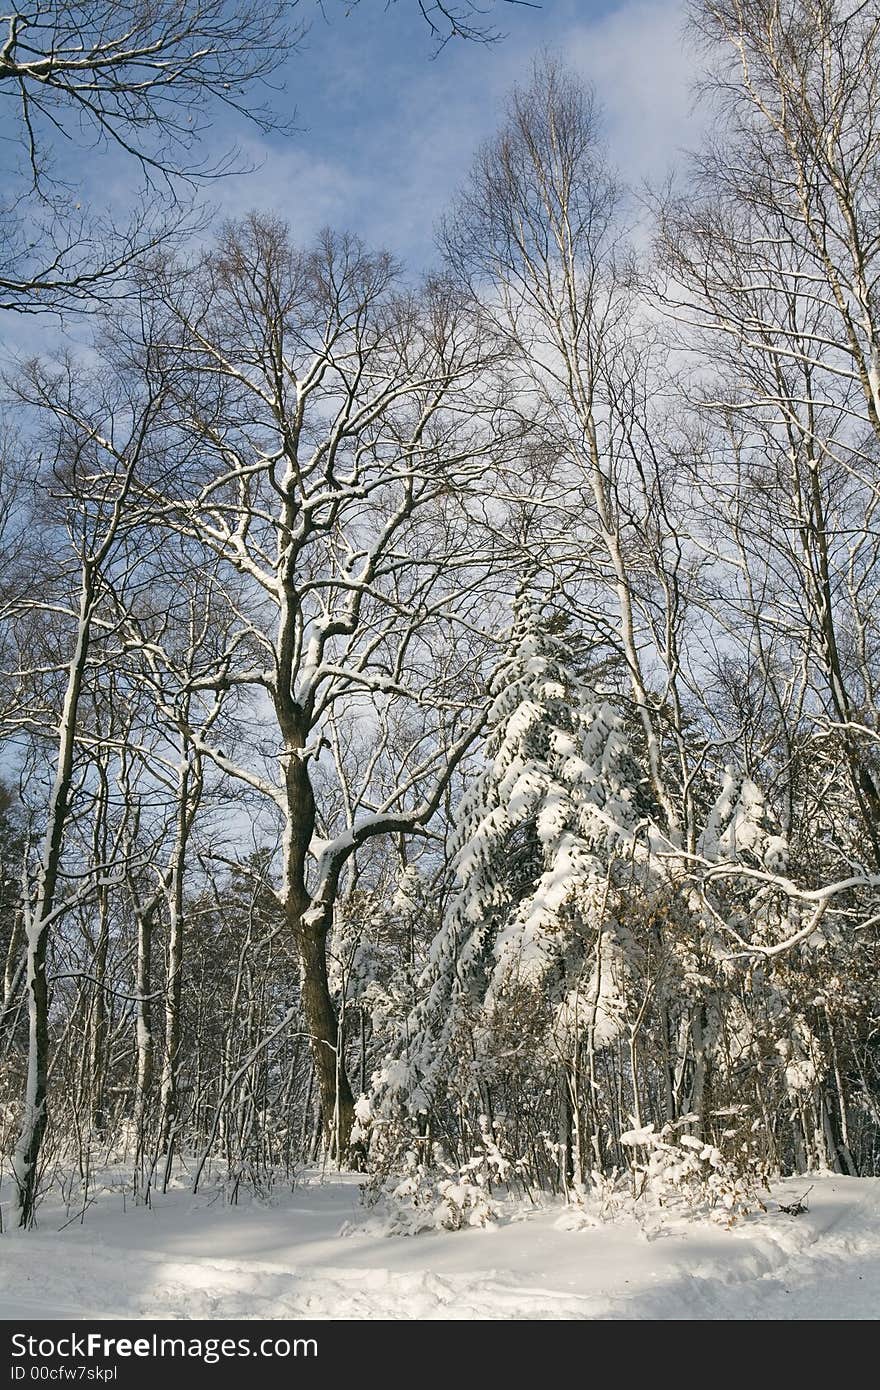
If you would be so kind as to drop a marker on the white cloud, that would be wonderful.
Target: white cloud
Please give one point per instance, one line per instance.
(642, 72)
(295, 183)
(387, 135)
(390, 176)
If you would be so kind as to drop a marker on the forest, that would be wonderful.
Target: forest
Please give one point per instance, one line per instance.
(440, 712)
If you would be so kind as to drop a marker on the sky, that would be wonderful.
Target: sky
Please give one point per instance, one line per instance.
(386, 127)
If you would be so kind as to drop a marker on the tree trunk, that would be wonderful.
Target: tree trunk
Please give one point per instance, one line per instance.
(309, 925)
(144, 1040)
(188, 797)
(334, 1089)
(98, 1022)
(33, 1125)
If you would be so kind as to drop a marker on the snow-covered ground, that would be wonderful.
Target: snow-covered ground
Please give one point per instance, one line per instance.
(196, 1258)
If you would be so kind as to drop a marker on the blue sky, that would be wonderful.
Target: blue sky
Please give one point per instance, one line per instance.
(386, 127)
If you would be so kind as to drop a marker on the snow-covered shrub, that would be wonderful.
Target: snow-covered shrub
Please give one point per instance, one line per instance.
(440, 1195)
(433, 1198)
(678, 1171)
(426, 1197)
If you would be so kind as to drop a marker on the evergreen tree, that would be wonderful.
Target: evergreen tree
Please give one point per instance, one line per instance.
(546, 829)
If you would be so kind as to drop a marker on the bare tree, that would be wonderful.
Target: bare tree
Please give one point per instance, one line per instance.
(331, 420)
(99, 441)
(774, 262)
(539, 233)
(466, 19)
(125, 75)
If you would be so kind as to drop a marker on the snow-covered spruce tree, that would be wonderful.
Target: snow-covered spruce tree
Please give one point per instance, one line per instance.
(762, 1073)
(529, 972)
(740, 827)
(377, 955)
(709, 990)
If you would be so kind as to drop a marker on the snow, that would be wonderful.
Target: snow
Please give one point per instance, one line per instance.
(196, 1258)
